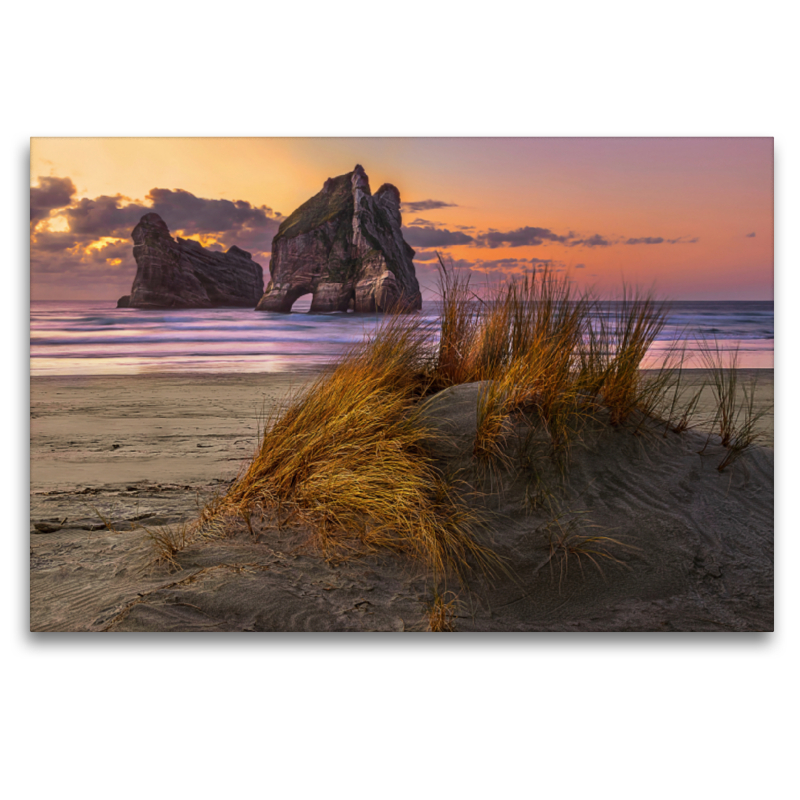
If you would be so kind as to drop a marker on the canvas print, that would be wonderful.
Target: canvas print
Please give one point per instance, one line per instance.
(408, 385)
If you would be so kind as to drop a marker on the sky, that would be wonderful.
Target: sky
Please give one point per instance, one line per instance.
(690, 218)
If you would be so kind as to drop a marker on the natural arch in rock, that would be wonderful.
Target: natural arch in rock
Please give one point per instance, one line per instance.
(344, 245)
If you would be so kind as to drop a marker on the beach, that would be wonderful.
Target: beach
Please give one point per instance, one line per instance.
(111, 456)
(137, 450)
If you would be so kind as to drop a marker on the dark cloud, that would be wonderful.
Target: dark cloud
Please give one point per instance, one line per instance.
(429, 275)
(425, 205)
(50, 194)
(580, 266)
(181, 210)
(593, 241)
(199, 215)
(750, 235)
(426, 255)
(460, 263)
(515, 264)
(431, 236)
(56, 241)
(645, 240)
(661, 240)
(521, 237)
(104, 216)
(530, 236)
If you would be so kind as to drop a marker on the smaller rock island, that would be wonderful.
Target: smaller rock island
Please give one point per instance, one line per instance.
(183, 274)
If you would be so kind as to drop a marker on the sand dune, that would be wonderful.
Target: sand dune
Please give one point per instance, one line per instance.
(694, 547)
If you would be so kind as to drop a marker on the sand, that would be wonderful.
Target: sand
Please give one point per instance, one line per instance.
(139, 450)
(695, 552)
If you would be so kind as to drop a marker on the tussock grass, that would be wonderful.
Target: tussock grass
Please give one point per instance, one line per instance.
(735, 417)
(347, 459)
(724, 383)
(552, 355)
(442, 612)
(458, 329)
(526, 342)
(168, 540)
(624, 341)
(576, 546)
(679, 401)
(569, 544)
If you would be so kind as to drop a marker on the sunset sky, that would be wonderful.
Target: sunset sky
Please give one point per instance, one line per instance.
(691, 217)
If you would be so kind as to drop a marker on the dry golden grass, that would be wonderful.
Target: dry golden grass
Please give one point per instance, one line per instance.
(167, 541)
(525, 341)
(736, 417)
(623, 341)
(679, 402)
(458, 329)
(442, 612)
(104, 519)
(347, 459)
(724, 384)
(551, 355)
(576, 546)
(569, 544)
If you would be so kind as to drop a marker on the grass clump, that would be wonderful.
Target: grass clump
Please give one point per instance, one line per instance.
(347, 458)
(680, 401)
(622, 342)
(526, 343)
(569, 544)
(442, 612)
(167, 541)
(550, 354)
(736, 418)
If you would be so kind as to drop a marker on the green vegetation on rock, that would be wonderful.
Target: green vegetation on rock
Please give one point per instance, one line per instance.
(336, 199)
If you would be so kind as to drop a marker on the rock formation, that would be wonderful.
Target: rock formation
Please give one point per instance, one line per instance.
(183, 274)
(345, 247)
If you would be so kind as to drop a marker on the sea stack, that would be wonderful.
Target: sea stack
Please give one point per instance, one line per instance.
(181, 273)
(345, 247)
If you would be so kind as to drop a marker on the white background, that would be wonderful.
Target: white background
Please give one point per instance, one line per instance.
(489, 716)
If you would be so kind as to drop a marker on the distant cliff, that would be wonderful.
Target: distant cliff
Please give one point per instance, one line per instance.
(183, 274)
(345, 247)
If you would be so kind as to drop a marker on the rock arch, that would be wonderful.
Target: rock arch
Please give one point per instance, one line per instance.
(346, 247)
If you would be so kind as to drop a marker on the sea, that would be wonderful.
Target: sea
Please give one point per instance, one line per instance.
(96, 338)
